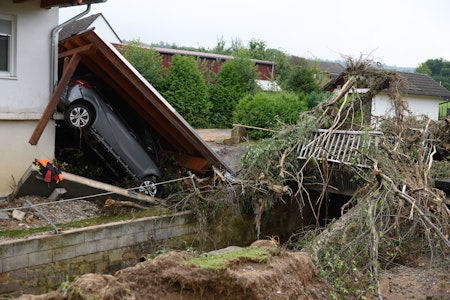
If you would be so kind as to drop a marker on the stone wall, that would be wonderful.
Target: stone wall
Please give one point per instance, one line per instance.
(40, 264)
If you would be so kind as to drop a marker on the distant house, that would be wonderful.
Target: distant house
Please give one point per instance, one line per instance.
(330, 70)
(423, 96)
(327, 70)
(96, 22)
(266, 69)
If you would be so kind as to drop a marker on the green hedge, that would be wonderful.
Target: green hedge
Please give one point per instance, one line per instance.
(269, 110)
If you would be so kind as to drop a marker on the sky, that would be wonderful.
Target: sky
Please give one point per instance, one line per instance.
(402, 33)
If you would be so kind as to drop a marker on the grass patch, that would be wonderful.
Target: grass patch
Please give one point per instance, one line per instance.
(221, 261)
(151, 212)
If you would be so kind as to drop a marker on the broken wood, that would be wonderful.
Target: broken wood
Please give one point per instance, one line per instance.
(279, 189)
(51, 106)
(111, 202)
(68, 71)
(422, 214)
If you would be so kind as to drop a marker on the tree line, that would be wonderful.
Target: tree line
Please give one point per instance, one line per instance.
(206, 99)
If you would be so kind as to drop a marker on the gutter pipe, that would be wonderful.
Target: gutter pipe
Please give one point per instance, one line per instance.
(54, 49)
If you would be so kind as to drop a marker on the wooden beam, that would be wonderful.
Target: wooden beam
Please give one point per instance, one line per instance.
(51, 3)
(86, 49)
(51, 106)
(197, 164)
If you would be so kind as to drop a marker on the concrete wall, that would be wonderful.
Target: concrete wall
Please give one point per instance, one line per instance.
(26, 92)
(40, 264)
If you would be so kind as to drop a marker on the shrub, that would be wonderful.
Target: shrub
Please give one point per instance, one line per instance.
(146, 61)
(269, 110)
(186, 91)
(235, 79)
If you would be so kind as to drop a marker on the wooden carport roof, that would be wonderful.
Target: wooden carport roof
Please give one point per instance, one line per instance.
(104, 61)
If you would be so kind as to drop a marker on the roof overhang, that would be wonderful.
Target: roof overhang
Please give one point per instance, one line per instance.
(63, 3)
(177, 136)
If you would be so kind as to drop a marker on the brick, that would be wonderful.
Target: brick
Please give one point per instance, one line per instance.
(20, 274)
(95, 234)
(42, 257)
(115, 256)
(173, 232)
(9, 287)
(72, 238)
(94, 257)
(133, 227)
(50, 242)
(126, 240)
(6, 250)
(114, 231)
(107, 244)
(64, 253)
(86, 248)
(25, 247)
(151, 225)
(142, 237)
(14, 263)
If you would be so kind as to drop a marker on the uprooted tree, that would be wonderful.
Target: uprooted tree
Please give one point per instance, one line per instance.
(395, 210)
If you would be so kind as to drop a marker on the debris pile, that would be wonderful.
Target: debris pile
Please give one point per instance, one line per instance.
(396, 208)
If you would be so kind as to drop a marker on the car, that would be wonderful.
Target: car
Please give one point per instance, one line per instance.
(85, 108)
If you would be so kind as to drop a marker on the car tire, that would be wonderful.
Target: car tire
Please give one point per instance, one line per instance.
(79, 116)
(149, 187)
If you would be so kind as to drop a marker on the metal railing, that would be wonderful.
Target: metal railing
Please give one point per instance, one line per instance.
(340, 146)
(347, 147)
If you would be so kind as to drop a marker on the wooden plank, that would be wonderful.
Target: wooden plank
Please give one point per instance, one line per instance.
(51, 106)
(86, 49)
(198, 164)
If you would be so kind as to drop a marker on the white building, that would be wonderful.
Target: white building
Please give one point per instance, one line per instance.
(26, 28)
(422, 96)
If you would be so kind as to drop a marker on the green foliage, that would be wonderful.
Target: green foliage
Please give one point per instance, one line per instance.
(186, 91)
(283, 67)
(146, 61)
(235, 79)
(438, 69)
(207, 72)
(315, 97)
(301, 79)
(257, 49)
(221, 261)
(423, 69)
(268, 110)
(264, 156)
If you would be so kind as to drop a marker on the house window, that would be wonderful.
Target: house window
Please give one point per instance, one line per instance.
(7, 26)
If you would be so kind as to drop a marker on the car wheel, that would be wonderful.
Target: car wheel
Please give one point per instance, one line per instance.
(148, 186)
(79, 116)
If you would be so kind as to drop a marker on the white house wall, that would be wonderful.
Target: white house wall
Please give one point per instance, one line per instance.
(25, 95)
(103, 30)
(418, 105)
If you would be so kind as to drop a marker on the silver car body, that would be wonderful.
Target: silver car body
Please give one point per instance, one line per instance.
(109, 129)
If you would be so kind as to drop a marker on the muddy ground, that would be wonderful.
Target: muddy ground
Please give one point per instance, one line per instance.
(287, 275)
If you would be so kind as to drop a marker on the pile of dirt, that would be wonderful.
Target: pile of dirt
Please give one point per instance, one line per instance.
(286, 275)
